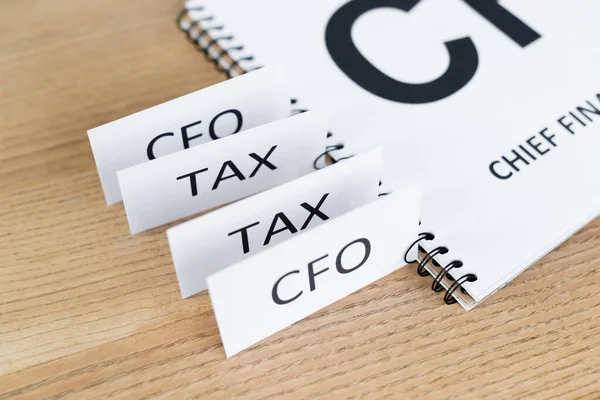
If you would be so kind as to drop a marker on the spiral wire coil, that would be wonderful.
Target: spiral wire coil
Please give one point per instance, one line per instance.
(444, 272)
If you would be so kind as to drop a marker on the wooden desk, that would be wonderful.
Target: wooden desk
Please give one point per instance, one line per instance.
(87, 310)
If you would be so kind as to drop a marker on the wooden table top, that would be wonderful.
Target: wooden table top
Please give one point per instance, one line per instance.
(89, 311)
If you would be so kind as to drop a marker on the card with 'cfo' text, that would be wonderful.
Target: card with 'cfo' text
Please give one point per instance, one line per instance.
(203, 116)
(271, 290)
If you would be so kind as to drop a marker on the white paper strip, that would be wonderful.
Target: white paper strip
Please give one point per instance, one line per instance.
(221, 110)
(216, 240)
(271, 290)
(222, 171)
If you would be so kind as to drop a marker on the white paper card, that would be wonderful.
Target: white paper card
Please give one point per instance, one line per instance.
(265, 293)
(245, 102)
(211, 242)
(222, 171)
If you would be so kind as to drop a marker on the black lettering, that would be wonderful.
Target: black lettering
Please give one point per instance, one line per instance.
(314, 211)
(150, 148)
(585, 111)
(288, 227)
(548, 138)
(263, 161)
(566, 126)
(578, 120)
(338, 262)
(527, 152)
(512, 162)
(312, 274)
(192, 176)
(504, 20)
(275, 294)
(184, 134)
(536, 146)
(496, 174)
(464, 59)
(211, 127)
(236, 173)
(244, 233)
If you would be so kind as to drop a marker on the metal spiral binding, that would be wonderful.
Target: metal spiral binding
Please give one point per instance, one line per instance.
(328, 150)
(444, 272)
(215, 43)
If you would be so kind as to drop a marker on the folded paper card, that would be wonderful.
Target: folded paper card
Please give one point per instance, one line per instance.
(271, 290)
(216, 173)
(209, 114)
(214, 241)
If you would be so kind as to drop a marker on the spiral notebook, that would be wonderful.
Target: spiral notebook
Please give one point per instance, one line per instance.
(494, 107)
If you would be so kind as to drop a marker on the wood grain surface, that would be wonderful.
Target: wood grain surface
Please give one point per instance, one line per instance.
(89, 311)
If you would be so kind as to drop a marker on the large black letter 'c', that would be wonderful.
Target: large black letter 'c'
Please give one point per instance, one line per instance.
(275, 294)
(464, 59)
